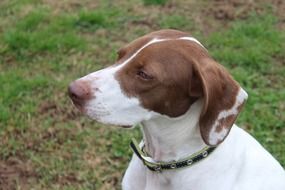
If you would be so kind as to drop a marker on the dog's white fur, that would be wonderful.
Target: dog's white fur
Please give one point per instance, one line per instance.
(239, 163)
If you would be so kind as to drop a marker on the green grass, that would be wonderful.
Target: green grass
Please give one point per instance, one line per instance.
(39, 33)
(93, 20)
(46, 44)
(254, 42)
(155, 2)
(174, 22)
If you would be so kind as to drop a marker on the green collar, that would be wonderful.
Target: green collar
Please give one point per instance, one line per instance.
(160, 166)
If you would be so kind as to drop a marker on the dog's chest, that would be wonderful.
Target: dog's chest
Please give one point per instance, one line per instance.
(197, 177)
(186, 181)
(158, 181)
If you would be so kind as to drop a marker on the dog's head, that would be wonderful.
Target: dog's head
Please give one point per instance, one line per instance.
(162, 73)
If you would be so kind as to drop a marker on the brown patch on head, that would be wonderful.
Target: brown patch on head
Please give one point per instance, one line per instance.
(169, 70)
(168, 76)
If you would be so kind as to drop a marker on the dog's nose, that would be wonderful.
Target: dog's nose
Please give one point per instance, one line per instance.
(79, 92)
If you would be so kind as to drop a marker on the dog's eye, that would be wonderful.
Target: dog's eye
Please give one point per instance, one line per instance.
(144, 75)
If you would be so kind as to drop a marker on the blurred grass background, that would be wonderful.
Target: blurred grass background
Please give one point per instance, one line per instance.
(44, 44)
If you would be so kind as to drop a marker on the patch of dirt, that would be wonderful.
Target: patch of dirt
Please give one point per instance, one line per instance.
(15, 173)
(212, 15)
(208, 16)
(280, 12)
(58, 111)
(232, 9)
(67, 179)
(240, 9)
(70, 5)
(110, 182)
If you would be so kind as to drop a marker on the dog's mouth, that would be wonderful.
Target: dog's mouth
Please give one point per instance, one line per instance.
(103, 116)
(79, 105)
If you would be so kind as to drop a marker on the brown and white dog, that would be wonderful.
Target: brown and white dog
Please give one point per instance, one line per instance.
(184, 100)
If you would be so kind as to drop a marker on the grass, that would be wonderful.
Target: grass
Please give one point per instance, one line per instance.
(155, 2)
(46, 144)
(174, 22)
(38, 33)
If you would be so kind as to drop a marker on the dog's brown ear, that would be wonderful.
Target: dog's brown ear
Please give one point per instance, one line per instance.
(223, 99)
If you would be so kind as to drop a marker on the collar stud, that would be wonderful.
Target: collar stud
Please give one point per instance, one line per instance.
(157, 168)
(173, 166)
(189, 162)
(205, 154)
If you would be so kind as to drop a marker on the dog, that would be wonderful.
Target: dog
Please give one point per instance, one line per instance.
(186, 104)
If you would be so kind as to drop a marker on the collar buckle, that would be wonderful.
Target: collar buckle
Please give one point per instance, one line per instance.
(157, 168)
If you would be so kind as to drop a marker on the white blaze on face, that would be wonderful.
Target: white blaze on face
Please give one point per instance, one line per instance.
(109, 104)
(192, 39)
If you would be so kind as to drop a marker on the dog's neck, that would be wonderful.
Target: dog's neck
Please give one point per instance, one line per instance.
(168, 139)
